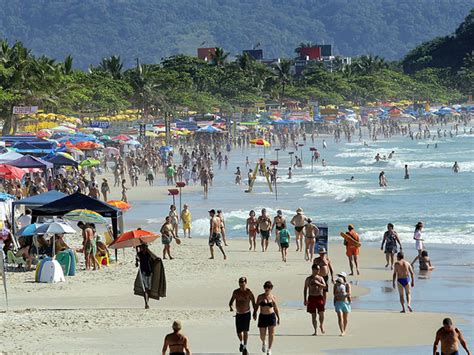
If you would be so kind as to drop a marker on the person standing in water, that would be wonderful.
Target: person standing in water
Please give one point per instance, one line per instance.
(242, 297)
(177, 342)
(390, 240)
(407, 176)
(456, 167)
(403, 274)
(418, 241)
(382, 179)
(449, 336)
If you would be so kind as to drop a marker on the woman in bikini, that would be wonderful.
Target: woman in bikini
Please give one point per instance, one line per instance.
(252, 230)
(177, 342)
(221, 216)
(269, 316)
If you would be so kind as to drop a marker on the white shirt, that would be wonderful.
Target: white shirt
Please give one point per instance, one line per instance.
(419, 242)
(24, 220)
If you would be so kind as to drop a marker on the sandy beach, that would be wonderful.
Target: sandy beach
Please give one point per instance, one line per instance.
(96, 312)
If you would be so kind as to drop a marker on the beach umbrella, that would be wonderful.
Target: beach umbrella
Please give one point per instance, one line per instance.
(122, 205)
(87, 145)
(10, 172)
(55, 228)
(111, 151)
(132, 142)
(29, 230)
(44, 133)
(133, 238)
(260, 141)
(86, 216)
(89, 162)
(121, 137)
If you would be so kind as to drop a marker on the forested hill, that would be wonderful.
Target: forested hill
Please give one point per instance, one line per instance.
(91, 29)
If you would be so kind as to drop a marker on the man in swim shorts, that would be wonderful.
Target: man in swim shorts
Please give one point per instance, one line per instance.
(265, 228)
(352, 250)
(449, 336)
(403, 274)
(299, 221)
(325, 266)
(242, 297)
(314, 300)
(215, 234)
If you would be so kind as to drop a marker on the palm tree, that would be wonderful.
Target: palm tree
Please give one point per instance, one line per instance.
(283, 72)
(112, 65)
(368, 64)
(219, 56)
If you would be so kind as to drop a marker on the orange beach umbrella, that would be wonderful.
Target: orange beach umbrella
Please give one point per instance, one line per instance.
(133, 238)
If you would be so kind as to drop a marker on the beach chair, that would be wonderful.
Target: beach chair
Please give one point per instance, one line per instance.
(14, 261)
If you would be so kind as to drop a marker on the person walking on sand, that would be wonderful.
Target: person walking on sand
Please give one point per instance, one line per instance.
(325, 268)
(252, 229)
(177, 342)
(314, 300)
(174, 219)
(215, 234)
(144, 261)
(403, 273)
(390, 240)
(265, 228)
(284, 243)
(105, 188)
(269, 316)
(243, 297)
(186, 220)
(167, 235)
(311, 233)
(449, 336)
(223, 232)
(352, 250)
(298, 221)
(342, 301)
(279, 223)
(124, 191)
(418, 241)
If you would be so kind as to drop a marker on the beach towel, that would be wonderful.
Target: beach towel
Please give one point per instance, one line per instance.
(158, 280)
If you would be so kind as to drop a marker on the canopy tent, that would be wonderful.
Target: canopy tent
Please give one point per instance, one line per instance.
(28, 161)
(80, 201)
(209, 129)
(9, 156)
(35, 201)
(61, 160)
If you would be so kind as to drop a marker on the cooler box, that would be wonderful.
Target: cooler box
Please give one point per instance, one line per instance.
(322, 239)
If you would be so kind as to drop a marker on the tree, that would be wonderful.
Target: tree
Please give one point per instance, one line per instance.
(283, 73)
(112, 65)
(219, 57)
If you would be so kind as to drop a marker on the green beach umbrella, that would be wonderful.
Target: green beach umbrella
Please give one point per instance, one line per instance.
(89, 162)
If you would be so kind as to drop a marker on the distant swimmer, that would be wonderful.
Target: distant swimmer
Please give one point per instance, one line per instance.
(365, 144)
(378, 157)
(390, 156)
(407, 176)
(403, 274)
(324, 144)
(449, 336)
(382, 179)
(456, 167)
(290, 174)
(351, 178)
(436, 145)
(238, 177)
(323, 163)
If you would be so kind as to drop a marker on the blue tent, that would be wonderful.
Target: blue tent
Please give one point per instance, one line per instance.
(209, 129)
(34, 148)
(61, 160)
(28, 161)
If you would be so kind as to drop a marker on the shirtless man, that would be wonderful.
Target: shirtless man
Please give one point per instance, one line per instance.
(403, 273)
(311, 233)
(215, 234)
(252, 230)
(298, 221)
(449, 336)
(279, 223)
(242, 297)
(176, 341)
(265, 227)
(314, 286)
(325, 266)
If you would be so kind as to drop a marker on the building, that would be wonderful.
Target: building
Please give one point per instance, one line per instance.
(256, 54)
(206, 53)
(310, 53)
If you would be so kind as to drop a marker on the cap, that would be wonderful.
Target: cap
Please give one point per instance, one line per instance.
(322, 251)
(342, 274)
(299, 210)
(340, 280)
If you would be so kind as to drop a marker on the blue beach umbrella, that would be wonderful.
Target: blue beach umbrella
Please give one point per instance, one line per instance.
(29, 230)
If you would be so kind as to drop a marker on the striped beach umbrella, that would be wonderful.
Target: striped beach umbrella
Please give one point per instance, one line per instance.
(86, 216)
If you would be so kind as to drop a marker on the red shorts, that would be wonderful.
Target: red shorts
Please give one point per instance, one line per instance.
(352, 251)
(315, 304)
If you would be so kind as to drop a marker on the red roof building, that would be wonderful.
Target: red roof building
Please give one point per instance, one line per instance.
(206, 53)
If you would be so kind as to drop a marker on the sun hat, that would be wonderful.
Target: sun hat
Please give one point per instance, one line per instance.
(340, 280)
(299, 210)
(342, 274)
(322, 251)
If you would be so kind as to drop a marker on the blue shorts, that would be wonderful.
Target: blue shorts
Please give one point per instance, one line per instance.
(342, 306)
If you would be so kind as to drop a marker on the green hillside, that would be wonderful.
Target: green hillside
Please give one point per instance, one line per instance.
(151, 30)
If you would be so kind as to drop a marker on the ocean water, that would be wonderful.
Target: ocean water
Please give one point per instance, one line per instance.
(433, 194)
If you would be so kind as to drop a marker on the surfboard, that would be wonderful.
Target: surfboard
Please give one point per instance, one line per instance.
(349, 238)
(64, 259)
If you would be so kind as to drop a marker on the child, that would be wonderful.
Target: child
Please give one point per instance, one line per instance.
(284, 243)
